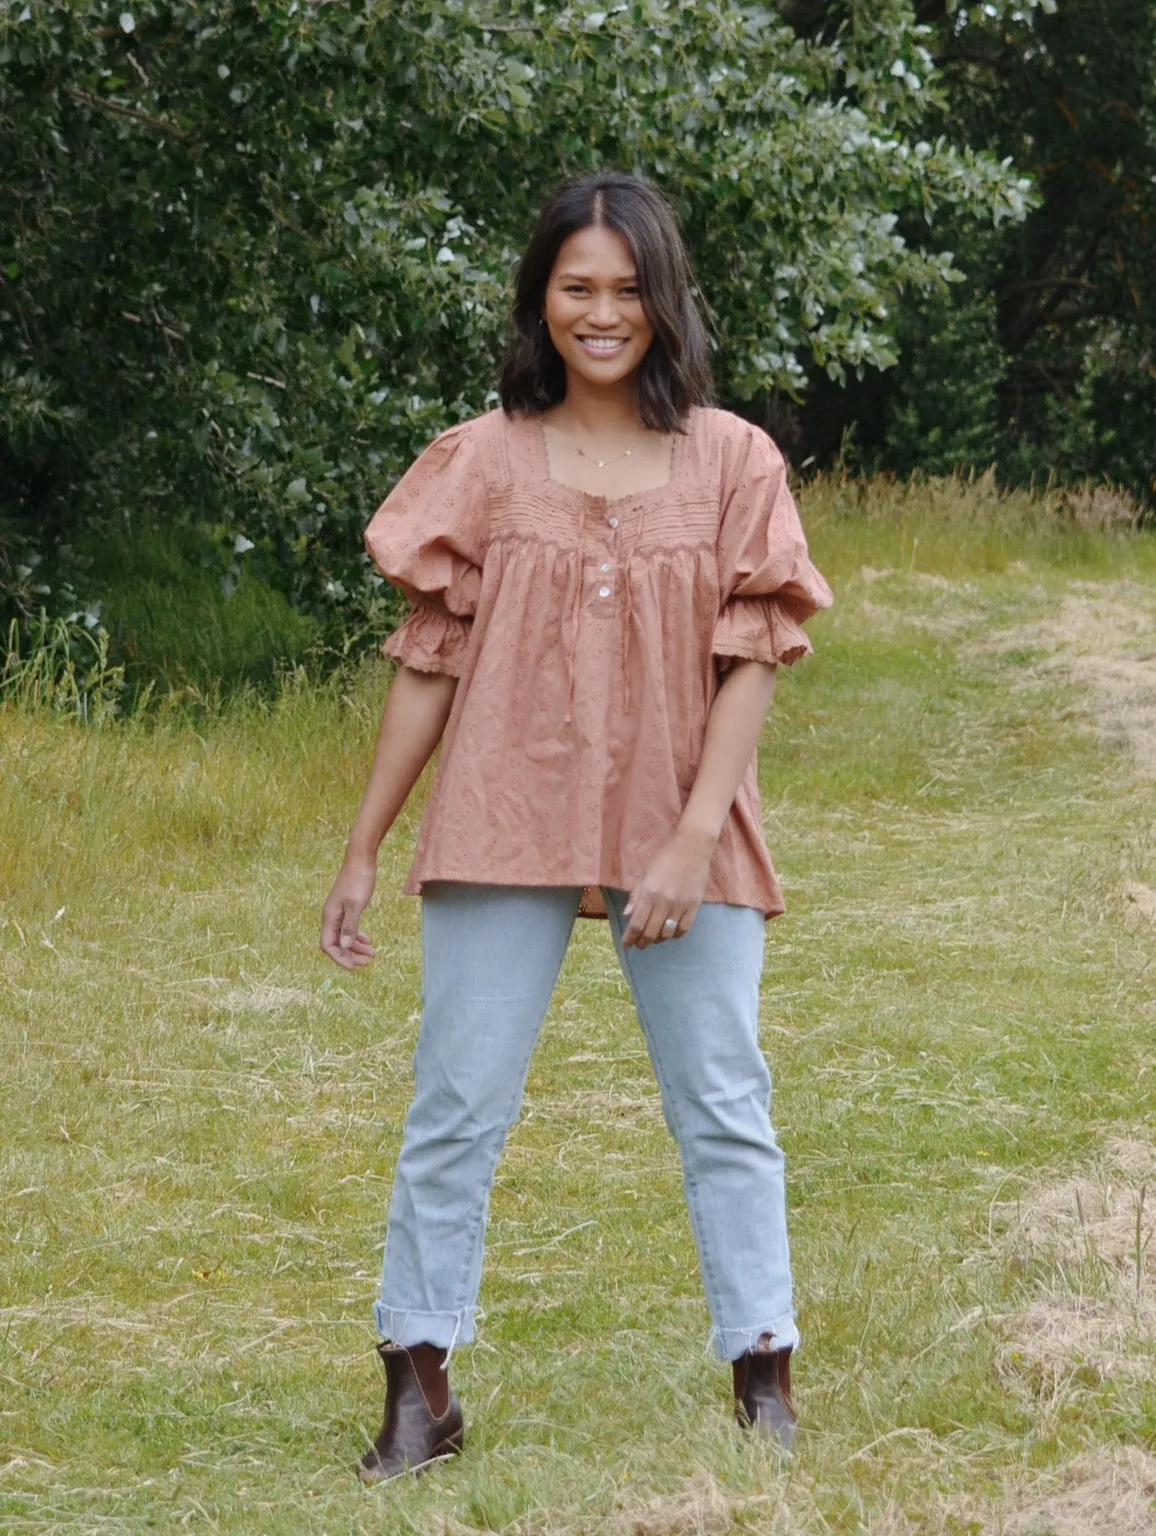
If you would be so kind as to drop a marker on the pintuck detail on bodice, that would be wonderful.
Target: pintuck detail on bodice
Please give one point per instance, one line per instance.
(589, 634)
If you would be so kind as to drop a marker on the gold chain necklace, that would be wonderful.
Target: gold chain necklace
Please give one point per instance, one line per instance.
(602, 463)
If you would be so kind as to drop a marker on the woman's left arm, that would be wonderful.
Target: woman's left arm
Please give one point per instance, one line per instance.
(675, 880)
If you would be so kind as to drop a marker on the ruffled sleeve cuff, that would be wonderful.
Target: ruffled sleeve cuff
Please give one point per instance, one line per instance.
(431, 640)
(759, 629)
(768, 584)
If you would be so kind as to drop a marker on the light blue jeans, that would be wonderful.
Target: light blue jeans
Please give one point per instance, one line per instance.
(491, 957)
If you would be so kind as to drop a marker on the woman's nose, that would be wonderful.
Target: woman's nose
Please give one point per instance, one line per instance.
(605, 309)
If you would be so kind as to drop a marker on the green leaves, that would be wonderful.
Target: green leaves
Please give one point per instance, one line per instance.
(255, 255)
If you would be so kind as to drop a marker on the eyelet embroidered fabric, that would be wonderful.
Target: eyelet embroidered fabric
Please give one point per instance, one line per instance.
(579, 719)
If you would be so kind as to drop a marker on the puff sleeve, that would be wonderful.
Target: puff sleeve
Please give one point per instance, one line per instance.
(428, 539)
(768, 586)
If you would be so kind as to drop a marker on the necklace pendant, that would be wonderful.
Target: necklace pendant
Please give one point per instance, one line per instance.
(602, 463)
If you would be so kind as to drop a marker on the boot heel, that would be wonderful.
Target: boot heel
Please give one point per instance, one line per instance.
(452, 1444)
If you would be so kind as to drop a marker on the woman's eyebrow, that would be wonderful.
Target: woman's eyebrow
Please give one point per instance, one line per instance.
(582, 277)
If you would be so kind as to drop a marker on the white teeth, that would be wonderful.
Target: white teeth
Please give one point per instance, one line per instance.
(603, 343)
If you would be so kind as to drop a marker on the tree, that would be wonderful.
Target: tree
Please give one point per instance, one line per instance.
(255, 254)
(1051, 338)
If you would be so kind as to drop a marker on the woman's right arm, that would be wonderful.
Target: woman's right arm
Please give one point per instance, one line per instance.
(415, 716)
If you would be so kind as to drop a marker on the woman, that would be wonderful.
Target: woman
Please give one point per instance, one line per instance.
(605, 574)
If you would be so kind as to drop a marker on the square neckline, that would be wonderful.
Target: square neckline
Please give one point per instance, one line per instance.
(669, 486)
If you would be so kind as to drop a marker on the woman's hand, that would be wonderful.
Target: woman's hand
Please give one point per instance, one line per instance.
(672, 886)
(412, 724)
(341, 936)
(675, 880)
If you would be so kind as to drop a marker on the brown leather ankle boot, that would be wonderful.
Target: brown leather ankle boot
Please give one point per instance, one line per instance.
(412, 1437)
(763, 1391)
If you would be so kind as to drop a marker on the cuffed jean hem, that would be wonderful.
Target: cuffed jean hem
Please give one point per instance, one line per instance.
(408, 1326)
(730, 1343)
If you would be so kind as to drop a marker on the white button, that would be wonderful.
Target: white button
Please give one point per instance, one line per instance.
(614, 522)
(605, 565)
(603, 591)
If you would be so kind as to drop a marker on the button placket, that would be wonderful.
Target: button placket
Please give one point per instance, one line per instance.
(606, 566)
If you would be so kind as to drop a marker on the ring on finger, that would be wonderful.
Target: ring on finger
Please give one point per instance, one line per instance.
(670, 926)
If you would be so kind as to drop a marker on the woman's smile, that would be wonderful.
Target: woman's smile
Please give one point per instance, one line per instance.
(594, 285)
(604, 346)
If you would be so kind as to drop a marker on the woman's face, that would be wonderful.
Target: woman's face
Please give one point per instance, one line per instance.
(593, 311)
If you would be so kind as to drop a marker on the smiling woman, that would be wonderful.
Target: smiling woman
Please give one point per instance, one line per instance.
(605, 574)
(606, 281)
(594, 313)
(600, 329)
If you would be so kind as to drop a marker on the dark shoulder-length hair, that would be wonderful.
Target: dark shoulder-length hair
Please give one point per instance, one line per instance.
(675, 373)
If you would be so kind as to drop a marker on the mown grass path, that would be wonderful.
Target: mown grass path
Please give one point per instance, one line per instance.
(200, 1115)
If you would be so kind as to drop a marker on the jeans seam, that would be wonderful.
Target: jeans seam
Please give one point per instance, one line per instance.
(477, 1223)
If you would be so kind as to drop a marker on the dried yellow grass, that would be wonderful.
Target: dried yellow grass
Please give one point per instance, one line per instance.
(1100, 1494)
(1094, 1231)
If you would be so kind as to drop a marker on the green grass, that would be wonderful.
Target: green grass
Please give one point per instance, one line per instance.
(200, 1115)
(170, 623)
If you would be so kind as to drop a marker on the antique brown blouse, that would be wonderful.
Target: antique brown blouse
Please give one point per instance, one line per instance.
(589, 634)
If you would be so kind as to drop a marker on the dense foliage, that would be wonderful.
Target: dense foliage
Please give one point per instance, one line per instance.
(254, 254)
(1050, 343)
